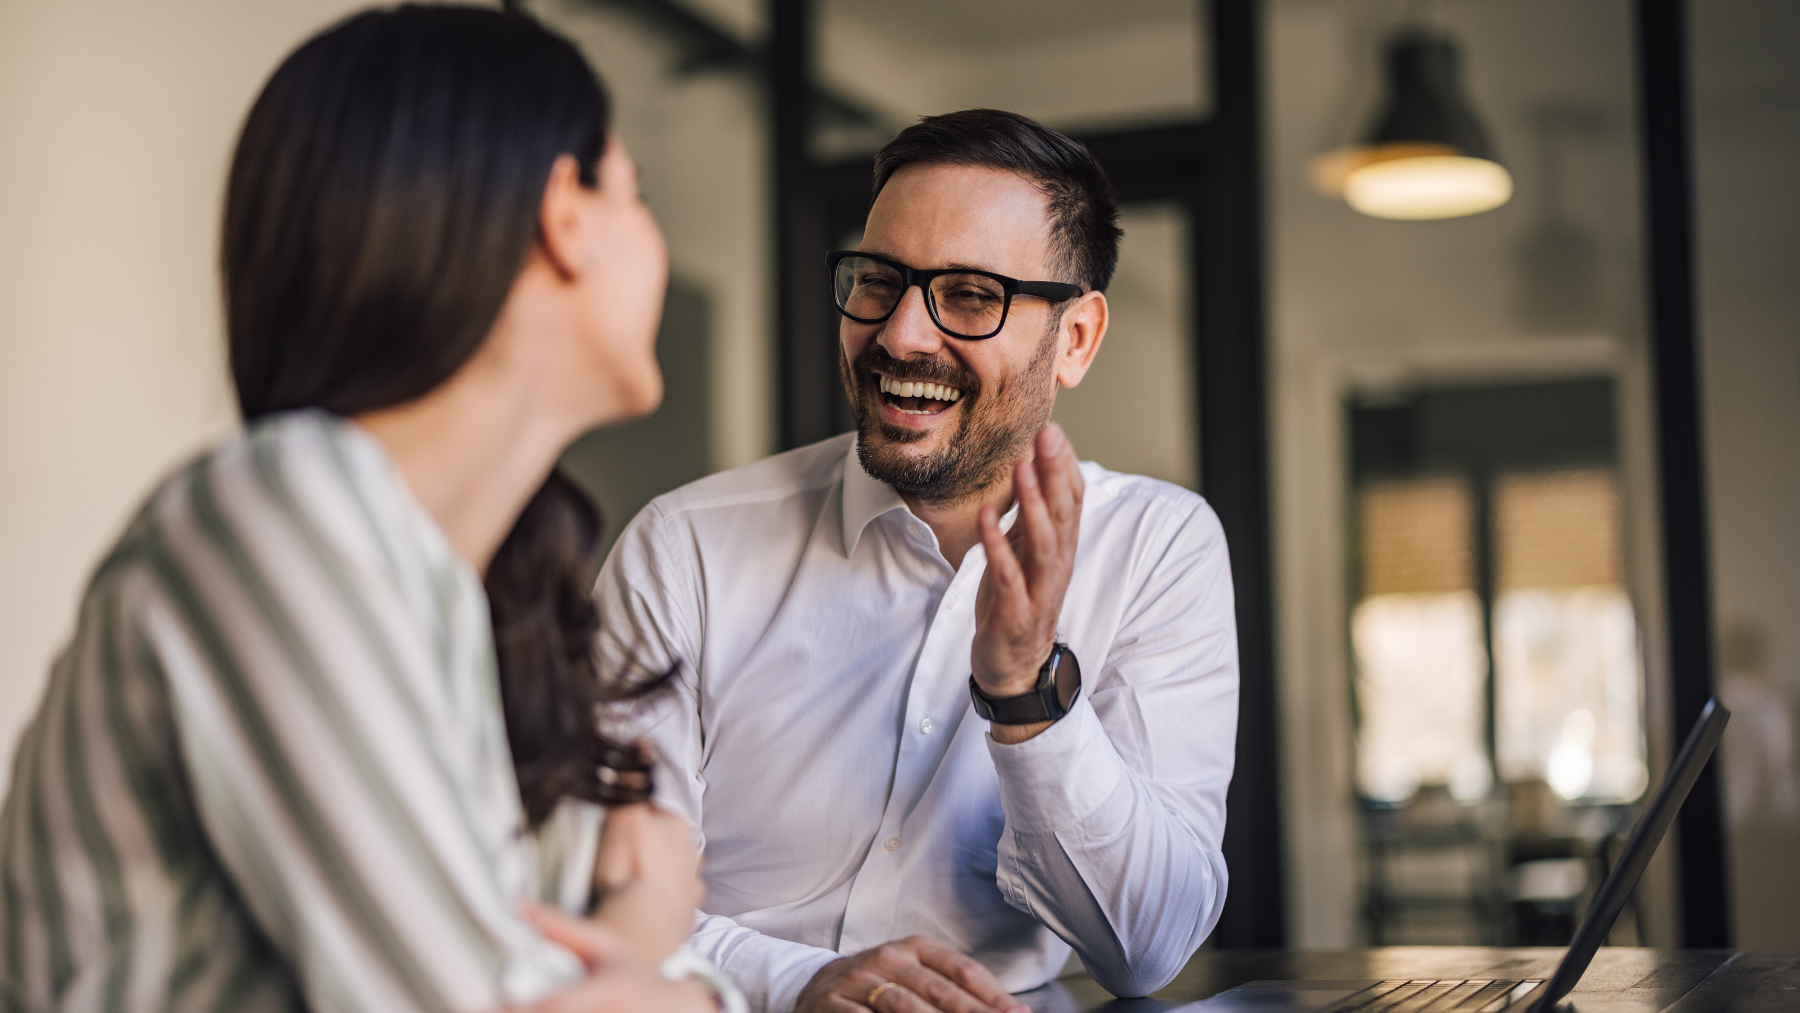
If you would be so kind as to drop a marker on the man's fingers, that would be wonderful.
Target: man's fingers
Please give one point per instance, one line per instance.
(940, 993)
(962, 969)
(1040, 540)
(900, 999)
(1002, 564)
(1059, 477)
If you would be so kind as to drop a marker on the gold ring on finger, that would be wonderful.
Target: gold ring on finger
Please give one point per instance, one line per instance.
(875, 993)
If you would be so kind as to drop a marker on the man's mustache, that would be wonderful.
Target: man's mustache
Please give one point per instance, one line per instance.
(877, 360)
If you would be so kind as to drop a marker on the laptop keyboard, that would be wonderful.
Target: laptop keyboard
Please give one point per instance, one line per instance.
(1480, 995)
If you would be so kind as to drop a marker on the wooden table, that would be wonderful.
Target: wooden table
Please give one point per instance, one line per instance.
(1620, 980)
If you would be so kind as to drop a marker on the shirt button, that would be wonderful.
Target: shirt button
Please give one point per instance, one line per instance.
(951, 601)
(926, 726)
(892, 844)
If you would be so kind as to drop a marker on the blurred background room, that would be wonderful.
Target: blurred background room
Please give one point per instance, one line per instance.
(1476, 320)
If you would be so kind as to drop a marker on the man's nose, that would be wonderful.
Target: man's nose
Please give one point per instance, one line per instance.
(910, 330)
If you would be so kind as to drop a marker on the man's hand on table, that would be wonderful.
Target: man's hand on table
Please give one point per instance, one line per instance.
(1028, 570)
(926, 977)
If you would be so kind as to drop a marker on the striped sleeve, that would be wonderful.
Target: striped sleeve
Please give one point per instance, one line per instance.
(338, 720)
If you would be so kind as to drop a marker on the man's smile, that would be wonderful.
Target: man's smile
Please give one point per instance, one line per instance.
(915, 397)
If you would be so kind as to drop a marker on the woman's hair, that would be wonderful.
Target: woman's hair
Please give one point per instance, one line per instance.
(383, 198)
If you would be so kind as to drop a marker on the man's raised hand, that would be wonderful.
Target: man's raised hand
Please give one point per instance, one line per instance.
(1028, 570)
(921, 975)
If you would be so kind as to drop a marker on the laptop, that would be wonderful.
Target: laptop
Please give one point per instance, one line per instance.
(1499, 996)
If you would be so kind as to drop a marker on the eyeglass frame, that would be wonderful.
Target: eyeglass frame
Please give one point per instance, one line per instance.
(1054, 291)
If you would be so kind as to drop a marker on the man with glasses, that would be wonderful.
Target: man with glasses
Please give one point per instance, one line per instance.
(950, 702)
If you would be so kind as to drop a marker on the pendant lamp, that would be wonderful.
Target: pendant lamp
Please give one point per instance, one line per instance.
(1427, 156)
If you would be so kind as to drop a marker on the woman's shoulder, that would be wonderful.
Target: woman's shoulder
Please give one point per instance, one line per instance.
(298, 525)
(304, 480)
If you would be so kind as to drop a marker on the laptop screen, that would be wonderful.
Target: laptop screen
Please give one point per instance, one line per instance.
(1613, 893)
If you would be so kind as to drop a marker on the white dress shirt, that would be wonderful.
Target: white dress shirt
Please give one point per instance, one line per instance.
(845, 793)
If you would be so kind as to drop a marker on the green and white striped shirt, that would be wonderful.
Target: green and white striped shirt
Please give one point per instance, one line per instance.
(271, 770)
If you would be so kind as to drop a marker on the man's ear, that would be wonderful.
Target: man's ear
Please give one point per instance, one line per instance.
(1084, 327)
(561, 219)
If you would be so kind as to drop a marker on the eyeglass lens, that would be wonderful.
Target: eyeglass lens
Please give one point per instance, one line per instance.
(968, 305)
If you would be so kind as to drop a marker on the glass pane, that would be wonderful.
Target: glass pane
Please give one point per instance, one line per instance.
(883, 65)
(1135, 410)
(1421, 663)
(1746, 113)
(1567, 676)
(1507, 350)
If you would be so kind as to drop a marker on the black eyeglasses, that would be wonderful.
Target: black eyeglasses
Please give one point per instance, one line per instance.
(964, 303)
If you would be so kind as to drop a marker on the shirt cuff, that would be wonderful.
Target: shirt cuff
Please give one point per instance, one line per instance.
(772, 972)
(1060, 776)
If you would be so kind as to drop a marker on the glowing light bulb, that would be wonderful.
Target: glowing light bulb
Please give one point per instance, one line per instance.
(1428, 187)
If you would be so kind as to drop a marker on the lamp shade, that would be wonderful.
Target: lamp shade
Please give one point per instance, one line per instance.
(1427, 156)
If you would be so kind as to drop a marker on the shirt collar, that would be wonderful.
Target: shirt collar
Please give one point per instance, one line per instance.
(865, 498)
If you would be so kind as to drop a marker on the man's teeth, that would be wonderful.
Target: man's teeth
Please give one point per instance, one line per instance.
(908, 388)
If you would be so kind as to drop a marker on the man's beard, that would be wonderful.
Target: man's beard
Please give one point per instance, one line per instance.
(998, 423)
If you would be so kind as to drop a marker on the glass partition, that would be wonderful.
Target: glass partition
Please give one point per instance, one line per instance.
(1746, 129)
(1466, 514)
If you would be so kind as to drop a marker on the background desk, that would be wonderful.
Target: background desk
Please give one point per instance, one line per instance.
(1620, 980)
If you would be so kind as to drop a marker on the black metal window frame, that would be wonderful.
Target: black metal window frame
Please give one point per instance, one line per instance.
(1214, 169)
(1210, 168)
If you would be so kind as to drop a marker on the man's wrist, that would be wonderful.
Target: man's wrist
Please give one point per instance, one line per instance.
(1050, 697)
(1014, 682)
(1012, 735)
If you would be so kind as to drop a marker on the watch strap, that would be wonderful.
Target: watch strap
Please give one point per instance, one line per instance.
(1041, 703)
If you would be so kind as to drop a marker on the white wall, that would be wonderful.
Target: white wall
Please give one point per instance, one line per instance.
(116, 123)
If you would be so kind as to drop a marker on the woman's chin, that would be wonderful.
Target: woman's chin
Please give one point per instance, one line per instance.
(633, 402)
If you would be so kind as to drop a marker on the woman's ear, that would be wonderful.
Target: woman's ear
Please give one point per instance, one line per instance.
(562, 220)
(1084, 327)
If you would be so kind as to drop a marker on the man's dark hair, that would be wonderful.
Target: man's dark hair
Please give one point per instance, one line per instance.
(1084, 208)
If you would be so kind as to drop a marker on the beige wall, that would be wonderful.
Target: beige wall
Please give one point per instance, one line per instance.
(116, 122)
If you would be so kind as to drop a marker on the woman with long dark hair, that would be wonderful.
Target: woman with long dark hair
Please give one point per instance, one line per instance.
(328, 734)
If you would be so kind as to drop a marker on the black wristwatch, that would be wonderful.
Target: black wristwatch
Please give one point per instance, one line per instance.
(1042, 703)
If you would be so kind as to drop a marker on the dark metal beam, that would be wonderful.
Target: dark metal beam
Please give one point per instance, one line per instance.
(1214, 170)
(705, 46)
(1234, 464)
(1663, 108)
(805, 331)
